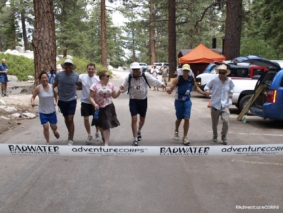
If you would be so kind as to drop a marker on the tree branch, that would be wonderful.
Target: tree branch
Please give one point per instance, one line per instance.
(206, 9)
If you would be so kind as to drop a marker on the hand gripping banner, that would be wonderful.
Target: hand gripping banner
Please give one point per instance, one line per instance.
(60, 150)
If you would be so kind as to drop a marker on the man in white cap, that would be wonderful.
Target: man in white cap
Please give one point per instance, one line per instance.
(183, 104)
(221, 98)
(136, 84)
(66, 81)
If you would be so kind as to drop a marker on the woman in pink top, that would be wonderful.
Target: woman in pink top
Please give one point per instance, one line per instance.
(100, 96)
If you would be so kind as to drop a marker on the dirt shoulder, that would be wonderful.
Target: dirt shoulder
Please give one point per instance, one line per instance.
(18, 101)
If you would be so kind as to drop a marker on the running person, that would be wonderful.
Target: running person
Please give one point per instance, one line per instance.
(87, 109)
(138, 97)
(184, 83)
(46, 106)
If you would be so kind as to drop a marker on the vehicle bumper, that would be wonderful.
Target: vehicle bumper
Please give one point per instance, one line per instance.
(269, 110)
(273, 111)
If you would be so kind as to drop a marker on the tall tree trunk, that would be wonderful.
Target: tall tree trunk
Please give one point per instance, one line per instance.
(172, 37)
(134, 58)
(44, 39)
(151, 33)
(13, 26)
(233, 26)
(103, 34)
(23, 19)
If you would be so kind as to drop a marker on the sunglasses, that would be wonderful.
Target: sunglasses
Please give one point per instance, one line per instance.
(107, 76)
(68, 64)
(222, 73)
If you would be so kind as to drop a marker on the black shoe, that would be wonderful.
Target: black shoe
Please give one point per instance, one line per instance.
(224, 139)
(6, 94)
(135, 143)
(139, 136)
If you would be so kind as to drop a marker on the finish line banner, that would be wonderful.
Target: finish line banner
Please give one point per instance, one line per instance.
(53, 150)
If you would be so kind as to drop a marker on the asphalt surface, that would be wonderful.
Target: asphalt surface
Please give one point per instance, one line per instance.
(145, 184)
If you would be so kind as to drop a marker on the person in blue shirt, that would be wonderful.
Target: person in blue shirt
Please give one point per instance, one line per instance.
(221, 98)
(51, 76)
(185, 84)
(3, 77)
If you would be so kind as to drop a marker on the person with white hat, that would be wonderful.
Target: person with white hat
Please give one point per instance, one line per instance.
(66, 81)
(183, 104)
(136, 84)
(221, 98)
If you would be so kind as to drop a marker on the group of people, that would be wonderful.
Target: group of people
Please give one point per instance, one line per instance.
(164, 72)
(98, 92)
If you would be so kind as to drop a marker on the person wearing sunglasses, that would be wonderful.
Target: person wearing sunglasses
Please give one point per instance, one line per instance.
(222, 88)
(100, 96)
(183, 104)
(67, 81)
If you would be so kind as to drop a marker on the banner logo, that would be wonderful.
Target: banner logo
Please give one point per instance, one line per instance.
(179, 151)
(253, 150)
(33, 150)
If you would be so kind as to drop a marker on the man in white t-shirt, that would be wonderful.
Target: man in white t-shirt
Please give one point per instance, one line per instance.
(86, 81)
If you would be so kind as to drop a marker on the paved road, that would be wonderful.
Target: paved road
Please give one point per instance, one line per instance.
(144, 184)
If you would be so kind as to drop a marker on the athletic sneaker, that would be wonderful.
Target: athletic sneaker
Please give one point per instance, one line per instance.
(89, 137)
(186, 141)
(97, 136)
(70, 143)
(139, 136)
(3, 94)
(224, 139)
(176, 136)
(214, 139)
(6, 94)
(135, 143)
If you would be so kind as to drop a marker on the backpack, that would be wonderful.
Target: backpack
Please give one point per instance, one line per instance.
(130, 78)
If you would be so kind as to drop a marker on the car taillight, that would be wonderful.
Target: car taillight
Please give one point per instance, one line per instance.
(271, 96)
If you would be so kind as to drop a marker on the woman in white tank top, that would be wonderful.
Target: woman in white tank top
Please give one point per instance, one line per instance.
(46, 106)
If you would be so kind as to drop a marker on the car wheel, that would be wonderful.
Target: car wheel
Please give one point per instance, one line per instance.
(244, 101)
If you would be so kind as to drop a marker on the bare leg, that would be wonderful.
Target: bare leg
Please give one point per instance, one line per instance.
(106, 135)
(46, 133)
(134, 125)
(54, 129)
(141, 123)
(177, 124)
(69, 121)
(186, 126)
(87, 124)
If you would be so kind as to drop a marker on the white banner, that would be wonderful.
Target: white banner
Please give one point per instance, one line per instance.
(54, 150)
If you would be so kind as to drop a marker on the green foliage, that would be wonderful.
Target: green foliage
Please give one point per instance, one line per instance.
(259, 47)
(19, 66)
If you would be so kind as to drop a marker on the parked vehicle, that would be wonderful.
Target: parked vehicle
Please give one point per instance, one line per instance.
(144, 66)
(239, 70)
(269, 103)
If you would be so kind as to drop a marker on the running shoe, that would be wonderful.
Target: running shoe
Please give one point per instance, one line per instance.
(135, 143)
(70, 143)
(224, 139)
(97, 136)
(186, 141)
(89, 138)
(139, 136)
(176, 136)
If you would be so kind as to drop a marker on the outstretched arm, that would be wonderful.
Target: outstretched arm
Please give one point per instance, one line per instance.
(34, 94)
(172, 86)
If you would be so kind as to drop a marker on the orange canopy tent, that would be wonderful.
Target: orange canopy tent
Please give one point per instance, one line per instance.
(201, 54)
